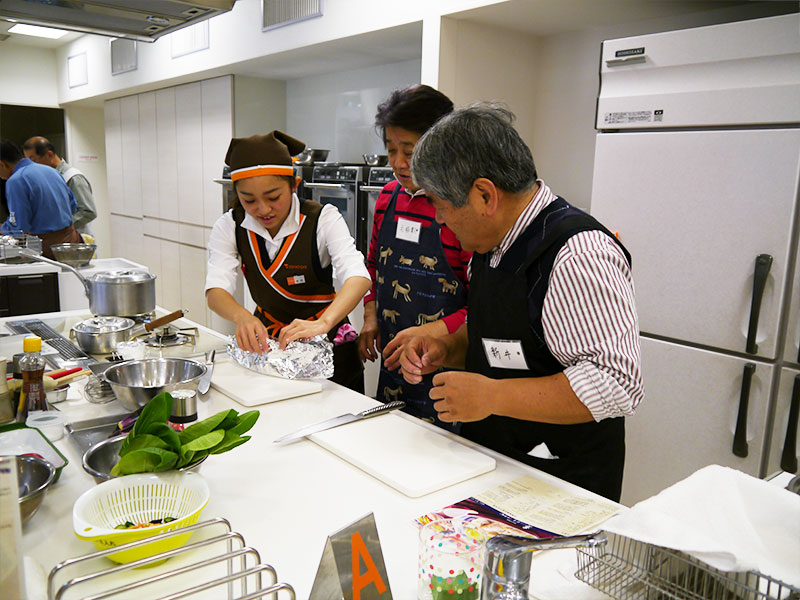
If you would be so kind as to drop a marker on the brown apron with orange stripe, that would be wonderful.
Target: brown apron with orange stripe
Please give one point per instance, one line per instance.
(295, 286)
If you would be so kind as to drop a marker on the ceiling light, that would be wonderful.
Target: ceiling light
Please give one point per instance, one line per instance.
(34, 30)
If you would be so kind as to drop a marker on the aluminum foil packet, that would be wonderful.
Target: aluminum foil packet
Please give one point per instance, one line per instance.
(307, 359)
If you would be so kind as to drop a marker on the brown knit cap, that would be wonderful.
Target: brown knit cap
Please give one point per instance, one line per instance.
(269, 154)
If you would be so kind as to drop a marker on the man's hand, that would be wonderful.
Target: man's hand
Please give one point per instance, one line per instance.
(420, 356)
(461, 396)
(394, 349)
(251, 335)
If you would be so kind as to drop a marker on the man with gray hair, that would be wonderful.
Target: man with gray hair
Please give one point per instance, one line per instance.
(551, 343)
(40, 150)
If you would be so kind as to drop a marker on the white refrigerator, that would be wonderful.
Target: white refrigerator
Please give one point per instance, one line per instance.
(697, 163)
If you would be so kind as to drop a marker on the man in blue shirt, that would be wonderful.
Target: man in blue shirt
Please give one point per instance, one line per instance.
(39, 202)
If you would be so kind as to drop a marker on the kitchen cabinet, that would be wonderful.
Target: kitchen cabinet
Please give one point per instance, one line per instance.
(131, 160)
(114, 158)
(28, 294)
(217, 127)
(148, 153)
(166, 138)
(189, 142)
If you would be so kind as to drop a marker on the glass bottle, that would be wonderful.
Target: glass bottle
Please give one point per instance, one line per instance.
(32, 367)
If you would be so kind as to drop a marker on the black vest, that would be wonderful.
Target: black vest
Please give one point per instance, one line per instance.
(505, 303)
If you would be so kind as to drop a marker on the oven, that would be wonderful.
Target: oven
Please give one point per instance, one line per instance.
(377, 178)
(337, 184)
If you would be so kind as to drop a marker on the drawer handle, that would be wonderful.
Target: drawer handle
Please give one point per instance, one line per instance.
(628, 60)
(763, 265)
(740, 436)
(789, 455)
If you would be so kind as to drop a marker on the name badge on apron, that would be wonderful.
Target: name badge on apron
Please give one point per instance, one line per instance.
(408, 230)
(504, 354)
(296, 279)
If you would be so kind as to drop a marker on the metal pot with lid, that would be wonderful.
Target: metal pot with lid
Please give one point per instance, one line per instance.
(100, 335)
(127, 293)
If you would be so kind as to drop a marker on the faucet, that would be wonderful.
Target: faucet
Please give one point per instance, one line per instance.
(507, 562)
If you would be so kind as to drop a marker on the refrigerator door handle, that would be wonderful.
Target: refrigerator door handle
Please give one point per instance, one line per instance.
(763, 265)
(789, 455)
(740, 436)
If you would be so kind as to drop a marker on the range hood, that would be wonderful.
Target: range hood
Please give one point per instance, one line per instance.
(143, 20)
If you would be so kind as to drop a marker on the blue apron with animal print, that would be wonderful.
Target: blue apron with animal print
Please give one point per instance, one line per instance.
(415, 285)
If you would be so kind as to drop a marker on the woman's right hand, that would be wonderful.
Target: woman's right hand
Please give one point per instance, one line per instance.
(251, 335)
(369, 340)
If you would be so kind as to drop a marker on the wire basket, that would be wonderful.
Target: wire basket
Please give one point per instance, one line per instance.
(627, 569)
(10, 245)
(139, 499)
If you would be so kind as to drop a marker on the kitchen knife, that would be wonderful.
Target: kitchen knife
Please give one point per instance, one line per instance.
(205, 380)
(341, 420)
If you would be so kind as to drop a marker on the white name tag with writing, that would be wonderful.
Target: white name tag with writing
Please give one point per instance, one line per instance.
(408, 230)
(504, 354)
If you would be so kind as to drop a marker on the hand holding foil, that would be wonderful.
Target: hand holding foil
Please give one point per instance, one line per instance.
(302, 359)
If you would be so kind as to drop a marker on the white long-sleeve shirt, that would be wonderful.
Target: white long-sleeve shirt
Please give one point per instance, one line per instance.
(589, 316)
(334, 242)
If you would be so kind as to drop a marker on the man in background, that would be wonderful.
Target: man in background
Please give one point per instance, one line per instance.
(40, 150)
(39, 202)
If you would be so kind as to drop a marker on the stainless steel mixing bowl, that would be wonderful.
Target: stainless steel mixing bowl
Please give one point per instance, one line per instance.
(99, 459)
(34, 476)
(75, 255)
(135, 382)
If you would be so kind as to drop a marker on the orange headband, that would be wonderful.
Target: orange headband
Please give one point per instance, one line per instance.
(258, 170)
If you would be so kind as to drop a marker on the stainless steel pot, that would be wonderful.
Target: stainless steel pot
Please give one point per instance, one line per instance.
(127, 293)
(136, 382)
(100, 335)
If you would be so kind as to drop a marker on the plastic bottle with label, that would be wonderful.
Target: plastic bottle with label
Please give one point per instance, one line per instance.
(32, 366)
(7, 408)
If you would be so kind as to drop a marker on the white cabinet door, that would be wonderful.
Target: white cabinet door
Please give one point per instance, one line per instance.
(192, 282)
(171, 275)
(189, 140)
(217, 118)
(689, 416)
(131, 160)
(113, 158)
(148, 153)
(167, 154)
(118, 235)
(696, 209)
(784, 453)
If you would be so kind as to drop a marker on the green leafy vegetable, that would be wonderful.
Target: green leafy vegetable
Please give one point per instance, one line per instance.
(153, 446)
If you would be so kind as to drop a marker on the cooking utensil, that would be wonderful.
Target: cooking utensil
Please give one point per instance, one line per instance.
(75, 255)
(375, 160)
(139, 499)
(342, 420)
(127, 293)
(311, 155)
(101, 457)
(100, 335)
(136, 382)
(34, 476)
(205, 380)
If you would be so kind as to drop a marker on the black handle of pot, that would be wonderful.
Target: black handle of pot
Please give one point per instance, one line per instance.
(740, 436)
(789, 455)
(763, 265)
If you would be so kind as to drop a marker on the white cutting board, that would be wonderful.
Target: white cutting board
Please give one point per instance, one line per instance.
(409, 457)
(251, 388)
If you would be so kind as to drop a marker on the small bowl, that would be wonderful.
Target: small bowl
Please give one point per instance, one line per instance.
(74, 255)
(58, 394)
(311, 155)
(100, 459)
(375, 160)
(34, 476)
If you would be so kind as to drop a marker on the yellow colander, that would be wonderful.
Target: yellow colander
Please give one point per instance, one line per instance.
(140, 498)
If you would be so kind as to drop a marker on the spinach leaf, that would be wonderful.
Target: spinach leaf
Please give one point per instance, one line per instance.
(157, 410)
(144, 440)
(246, 421)
(230, 442)
(203, 427)
(145, 460)
(167, 434)
(206, 442)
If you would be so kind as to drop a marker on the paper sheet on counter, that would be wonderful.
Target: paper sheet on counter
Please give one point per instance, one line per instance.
(530, 505)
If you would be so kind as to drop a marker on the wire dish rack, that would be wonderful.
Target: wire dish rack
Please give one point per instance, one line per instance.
(10, 245)
(627, 569)
(219, 566)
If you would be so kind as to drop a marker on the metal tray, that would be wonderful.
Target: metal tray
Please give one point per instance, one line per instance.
(89, 432)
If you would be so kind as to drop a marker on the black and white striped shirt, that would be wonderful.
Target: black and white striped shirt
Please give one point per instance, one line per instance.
(589, 316)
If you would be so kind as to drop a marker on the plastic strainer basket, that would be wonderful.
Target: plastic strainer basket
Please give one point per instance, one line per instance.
(140, 499)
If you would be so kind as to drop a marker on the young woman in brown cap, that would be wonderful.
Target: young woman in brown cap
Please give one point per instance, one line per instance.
(289, 253)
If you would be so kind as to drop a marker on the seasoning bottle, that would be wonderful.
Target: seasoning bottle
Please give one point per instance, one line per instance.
(32, 367)
(6, 399)
(184, 409)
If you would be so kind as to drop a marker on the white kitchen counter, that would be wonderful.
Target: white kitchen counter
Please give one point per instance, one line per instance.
(286, 499)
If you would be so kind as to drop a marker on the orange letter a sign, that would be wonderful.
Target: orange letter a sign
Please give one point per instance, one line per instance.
(371, 575)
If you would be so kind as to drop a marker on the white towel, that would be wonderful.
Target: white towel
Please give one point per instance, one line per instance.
(725, 518)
